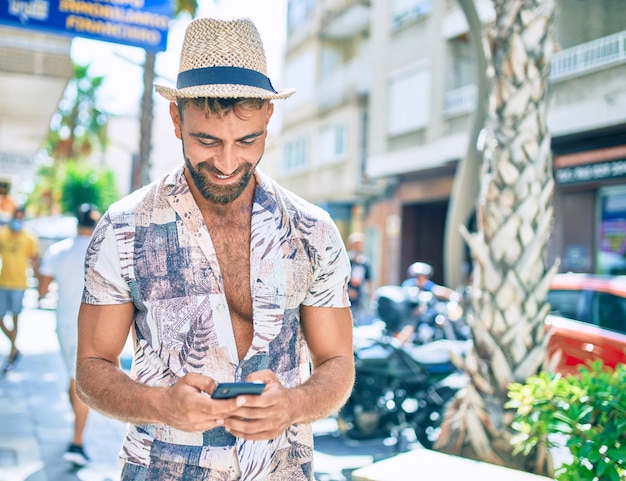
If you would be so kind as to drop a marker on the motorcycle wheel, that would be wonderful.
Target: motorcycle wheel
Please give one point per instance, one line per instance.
(427, 426)
(427, 430)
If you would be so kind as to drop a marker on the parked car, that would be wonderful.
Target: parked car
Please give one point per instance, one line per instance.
(587, 319)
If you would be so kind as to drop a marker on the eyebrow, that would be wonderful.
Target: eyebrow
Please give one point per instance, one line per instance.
(205, 136)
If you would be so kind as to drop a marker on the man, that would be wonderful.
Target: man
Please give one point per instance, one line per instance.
(64, 262)
(419, 274)
(360, 287)
(18, 249)
(222, 275)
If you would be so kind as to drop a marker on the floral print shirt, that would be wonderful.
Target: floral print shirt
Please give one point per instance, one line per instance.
(153, 249)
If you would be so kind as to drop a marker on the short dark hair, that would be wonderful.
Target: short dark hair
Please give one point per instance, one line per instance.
(221, 106)
(87, 215)
(20, 210)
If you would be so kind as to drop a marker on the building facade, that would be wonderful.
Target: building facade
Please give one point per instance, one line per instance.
(34, 70)
(380, 123)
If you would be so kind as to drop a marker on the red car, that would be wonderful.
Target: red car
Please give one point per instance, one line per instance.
(588, 319)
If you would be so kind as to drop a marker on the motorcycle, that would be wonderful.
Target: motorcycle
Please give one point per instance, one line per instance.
(435, 319)
(401, 391)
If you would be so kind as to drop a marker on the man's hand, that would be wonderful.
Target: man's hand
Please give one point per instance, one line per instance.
(188, 406)
(263, 416)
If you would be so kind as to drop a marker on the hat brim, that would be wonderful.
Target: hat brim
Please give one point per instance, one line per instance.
(224, 91)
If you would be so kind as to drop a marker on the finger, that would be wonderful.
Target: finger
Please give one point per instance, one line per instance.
(252, 431)
(264, 375)
(200, 382)
(247, 426)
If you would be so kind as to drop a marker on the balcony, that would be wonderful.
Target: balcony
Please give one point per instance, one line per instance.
(352, 79)
(598, 53)
(460, 101)
(571, 62)
(346, 19)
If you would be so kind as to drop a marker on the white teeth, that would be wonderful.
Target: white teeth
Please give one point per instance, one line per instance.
(223, 176)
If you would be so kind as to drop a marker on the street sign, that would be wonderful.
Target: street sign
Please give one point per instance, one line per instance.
(17, 164)
(139, 23)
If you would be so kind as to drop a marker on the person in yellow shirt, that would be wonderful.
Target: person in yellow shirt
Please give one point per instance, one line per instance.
(17, 249)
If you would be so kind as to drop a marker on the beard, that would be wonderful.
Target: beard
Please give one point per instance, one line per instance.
(218, 193)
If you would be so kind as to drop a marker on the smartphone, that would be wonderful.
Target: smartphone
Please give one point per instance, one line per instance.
(227, 390)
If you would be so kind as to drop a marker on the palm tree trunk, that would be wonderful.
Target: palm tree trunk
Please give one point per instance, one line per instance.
(141, 174)
(514, 218)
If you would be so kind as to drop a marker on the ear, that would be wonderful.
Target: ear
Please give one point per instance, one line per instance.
(270, 111)
(176, 120)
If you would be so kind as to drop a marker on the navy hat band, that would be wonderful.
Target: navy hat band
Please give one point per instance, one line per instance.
(223, 75)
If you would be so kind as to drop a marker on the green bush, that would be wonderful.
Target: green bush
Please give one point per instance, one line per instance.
(83, 183)
(589, 409)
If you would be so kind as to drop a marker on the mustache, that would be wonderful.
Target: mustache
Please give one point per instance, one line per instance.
(211, 169)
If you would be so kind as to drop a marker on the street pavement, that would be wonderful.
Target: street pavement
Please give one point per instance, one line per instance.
(36, 418)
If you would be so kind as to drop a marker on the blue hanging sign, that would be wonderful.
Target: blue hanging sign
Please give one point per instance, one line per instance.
(139, 23)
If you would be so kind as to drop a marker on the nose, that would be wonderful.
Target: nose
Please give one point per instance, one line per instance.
(227, 160)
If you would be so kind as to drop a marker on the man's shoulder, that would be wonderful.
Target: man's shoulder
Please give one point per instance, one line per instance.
(141, 200)
(295, 205)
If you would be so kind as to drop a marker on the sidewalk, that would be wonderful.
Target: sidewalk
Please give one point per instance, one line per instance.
(36, 419)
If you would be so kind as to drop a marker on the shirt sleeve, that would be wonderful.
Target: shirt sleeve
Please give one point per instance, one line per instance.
(104, 281)
(330, 285)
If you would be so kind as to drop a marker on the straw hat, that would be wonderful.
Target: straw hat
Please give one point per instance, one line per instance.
(225, 59)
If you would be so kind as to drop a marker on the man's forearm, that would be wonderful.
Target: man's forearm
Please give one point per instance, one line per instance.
(325, 392)
(106, 388)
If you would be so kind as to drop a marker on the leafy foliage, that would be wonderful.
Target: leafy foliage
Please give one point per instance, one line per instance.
(589, 409)
(87, 184)
(79, 126)
(65, 187)
(78, 129)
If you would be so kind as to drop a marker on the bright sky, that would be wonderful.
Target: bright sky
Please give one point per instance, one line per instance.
(121, 65)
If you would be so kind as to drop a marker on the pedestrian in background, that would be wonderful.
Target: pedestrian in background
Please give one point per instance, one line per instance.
(361, 286)
(7, 204)
(223, 276)
(419, 276)
(19, 250)
(64, 263)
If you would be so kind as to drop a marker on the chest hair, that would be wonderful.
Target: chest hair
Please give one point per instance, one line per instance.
(232, 245)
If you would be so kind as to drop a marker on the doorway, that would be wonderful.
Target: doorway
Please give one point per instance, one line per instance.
(422, 234)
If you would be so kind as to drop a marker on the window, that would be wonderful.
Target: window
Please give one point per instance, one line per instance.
(564, 303)
(295, 155)
(333, 143)
(409, 100)
(461, 64)
(298, 12)
(405, 11)
(610, 312)
(612, 231)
